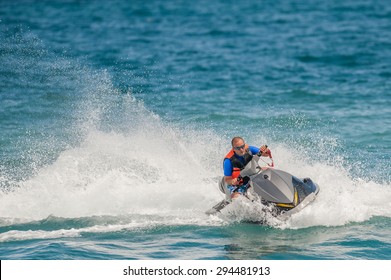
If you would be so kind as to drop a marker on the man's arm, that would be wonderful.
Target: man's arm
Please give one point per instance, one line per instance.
(228, 168)
(263, 150)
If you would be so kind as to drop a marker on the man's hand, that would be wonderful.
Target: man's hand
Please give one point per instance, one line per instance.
(263, 151)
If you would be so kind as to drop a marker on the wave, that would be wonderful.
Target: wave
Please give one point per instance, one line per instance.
(167, 173)
(55, 227)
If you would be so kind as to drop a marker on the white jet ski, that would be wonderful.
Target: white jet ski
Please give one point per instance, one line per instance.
(280, 191)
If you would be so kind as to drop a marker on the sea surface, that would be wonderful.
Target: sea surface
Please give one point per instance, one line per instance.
(115, 117)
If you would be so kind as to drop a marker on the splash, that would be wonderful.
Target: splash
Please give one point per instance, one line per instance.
(103, 153)
(119, 158)
(160, 170)
(112, 174)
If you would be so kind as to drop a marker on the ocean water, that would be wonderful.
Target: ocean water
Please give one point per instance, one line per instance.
(115, 117)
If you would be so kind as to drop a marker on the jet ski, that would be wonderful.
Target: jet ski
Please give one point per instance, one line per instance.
(276, 189)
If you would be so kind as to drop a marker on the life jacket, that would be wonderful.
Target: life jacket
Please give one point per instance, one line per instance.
(236, 163)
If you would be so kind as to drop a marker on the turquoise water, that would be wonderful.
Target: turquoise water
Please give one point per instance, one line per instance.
(115, 117)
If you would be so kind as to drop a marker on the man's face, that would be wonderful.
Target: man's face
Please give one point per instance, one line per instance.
(239, 147)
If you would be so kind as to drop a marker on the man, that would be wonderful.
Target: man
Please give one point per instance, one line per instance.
(235, 161)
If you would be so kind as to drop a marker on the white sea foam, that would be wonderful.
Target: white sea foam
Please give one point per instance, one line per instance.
(166, 172)
(112, 174)
(146, 166)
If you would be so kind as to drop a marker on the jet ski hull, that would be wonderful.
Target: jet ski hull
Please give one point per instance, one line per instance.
(282, 192)
(287, 193)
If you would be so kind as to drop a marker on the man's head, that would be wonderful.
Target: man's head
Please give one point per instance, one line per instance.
(238, 145)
